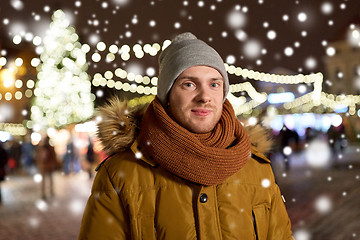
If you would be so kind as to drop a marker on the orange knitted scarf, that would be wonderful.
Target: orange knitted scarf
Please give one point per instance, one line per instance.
(205, 159)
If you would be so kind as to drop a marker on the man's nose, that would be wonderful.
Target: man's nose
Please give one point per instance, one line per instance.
(203, 95)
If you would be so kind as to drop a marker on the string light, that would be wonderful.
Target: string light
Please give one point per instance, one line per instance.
(13, 129)
(139, 84)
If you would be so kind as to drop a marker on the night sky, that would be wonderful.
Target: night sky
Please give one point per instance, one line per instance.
(262, 35)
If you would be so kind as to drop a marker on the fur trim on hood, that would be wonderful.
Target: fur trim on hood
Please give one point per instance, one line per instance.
(120, 126)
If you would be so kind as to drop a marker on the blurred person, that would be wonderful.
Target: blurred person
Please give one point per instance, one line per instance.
(71, 159)
(183, 167)
(90, 157)
(14, 162)
(27, 155)
(4, 157)
(288, 138)
(310, 134)
(47, 163)
(336, 139)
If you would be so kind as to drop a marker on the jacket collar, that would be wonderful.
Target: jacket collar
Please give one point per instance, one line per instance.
(139, 155)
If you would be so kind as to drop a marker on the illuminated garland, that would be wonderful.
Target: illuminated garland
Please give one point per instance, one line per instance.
(140, 83)
(13, 128)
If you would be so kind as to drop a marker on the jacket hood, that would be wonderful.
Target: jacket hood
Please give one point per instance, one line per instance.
(119, 126)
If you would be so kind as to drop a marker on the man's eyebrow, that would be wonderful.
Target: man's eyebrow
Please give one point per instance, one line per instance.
(187, 77)
(217, 78)
(195, 78)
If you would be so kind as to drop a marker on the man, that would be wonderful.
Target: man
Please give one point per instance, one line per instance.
(184, 167)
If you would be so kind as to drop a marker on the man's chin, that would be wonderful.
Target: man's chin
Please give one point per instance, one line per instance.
(199, 128)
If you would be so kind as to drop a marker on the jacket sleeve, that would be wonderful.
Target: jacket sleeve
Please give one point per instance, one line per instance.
(279, 225)
(104, 216)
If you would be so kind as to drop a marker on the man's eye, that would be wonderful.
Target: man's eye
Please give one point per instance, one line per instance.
(215, 84)
(188, 84)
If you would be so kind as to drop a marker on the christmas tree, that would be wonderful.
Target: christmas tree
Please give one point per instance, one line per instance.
(63, 89)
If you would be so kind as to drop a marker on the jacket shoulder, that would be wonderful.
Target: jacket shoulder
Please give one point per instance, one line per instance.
(127, 172)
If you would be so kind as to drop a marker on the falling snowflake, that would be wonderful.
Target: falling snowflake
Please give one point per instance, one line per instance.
(302, 234)
(121, 2)
(152, 23)
(252, 49)
(327, 8)
(201, 3)
(46, 8)
(323, 204)
(302, 17)
(128, 34)
(104, 4)
(302, 88)
(288, 51)
(330, 51)
(236, 19)
(310, 63)
(271, 34)
(150, 71)
(34, 222)
(134, 20)
(17, 4)
(287, 150)
(76, 206)
(318, 154)
(240, 35)
(252, 121)
(99, 93)
(265, 183)
(230, 59)
(37, 177)
(77, 3)
(42, 205)
(138, 155)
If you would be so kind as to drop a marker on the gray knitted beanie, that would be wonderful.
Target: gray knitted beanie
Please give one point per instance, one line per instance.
(186, 51)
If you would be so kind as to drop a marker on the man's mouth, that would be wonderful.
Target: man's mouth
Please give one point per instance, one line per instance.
(201, 112)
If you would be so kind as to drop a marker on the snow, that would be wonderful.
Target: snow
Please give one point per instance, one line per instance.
(327, 8)
(271, 34)
(265, 183)
(302, 234)
(252, 48)
(302, 17)
(236, 19)
(323, 204)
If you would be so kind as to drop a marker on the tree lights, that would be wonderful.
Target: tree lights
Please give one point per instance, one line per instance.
(63, 90)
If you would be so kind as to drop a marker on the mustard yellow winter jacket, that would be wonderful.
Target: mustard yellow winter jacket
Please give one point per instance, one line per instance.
(135, 198)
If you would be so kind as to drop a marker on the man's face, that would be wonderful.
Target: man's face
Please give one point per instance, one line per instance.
(196, 99)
